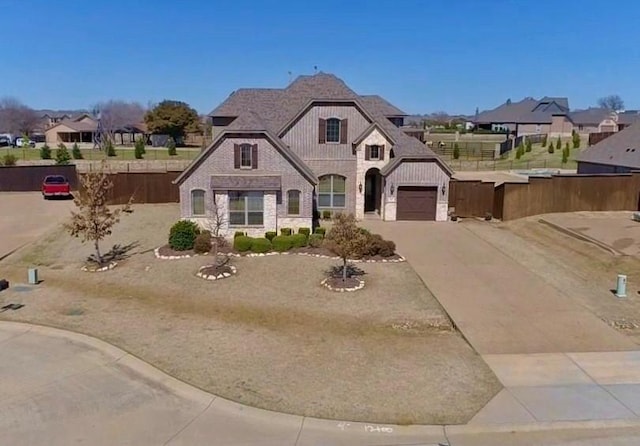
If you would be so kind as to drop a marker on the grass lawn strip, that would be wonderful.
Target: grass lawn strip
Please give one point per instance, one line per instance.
(272, 337)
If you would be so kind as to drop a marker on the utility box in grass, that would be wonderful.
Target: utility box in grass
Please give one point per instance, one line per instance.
(33, 276)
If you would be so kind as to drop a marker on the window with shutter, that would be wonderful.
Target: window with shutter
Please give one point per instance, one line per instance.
(246, 152)
(333, 130)
(374, 152)
(322, 131)
(343, 131)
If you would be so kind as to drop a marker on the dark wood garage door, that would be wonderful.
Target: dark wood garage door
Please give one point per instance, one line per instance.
(416, 203)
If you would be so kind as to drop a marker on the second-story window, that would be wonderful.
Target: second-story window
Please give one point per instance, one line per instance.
(245, 156)
(333, 130)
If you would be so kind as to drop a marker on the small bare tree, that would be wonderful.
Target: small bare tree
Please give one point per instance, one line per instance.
(94, 220)
(345, 239)
(214, 224)
(15, 117)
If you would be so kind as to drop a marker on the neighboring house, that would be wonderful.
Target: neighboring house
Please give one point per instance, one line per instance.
(282, 156)
(619, 153)
(80, 129)
(527, 117)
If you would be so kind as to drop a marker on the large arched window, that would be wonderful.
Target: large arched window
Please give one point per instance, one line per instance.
(331, 191)
(333, 130)
(197, 202)
(293, 202)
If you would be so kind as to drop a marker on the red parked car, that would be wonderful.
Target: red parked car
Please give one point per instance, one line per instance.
(55, 186)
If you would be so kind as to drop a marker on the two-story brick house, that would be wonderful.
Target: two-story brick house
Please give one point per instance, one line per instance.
(280, 156)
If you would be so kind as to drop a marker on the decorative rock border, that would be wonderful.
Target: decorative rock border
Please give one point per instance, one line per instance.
(213, 276)
(108, 267)
(325, 283)
(320, 256)
(160, 256)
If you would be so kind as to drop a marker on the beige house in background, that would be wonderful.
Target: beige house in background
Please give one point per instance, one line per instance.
(80, 129)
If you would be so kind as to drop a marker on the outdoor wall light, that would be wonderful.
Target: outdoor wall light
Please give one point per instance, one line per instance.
(391, 189)
(360, 187)
(444, 189)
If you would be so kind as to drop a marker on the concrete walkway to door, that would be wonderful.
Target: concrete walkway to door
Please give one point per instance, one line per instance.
(500, 306)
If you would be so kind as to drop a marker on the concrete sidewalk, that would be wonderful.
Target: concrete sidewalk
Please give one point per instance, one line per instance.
(61, 388)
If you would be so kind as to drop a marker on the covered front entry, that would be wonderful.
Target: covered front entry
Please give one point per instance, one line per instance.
(372, 190)
(417, 203)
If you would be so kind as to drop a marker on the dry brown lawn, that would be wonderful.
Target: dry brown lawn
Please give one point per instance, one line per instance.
(270, 336)
(582, 271)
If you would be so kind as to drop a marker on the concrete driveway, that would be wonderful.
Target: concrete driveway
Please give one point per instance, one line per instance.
(26, 216)
(499, 305)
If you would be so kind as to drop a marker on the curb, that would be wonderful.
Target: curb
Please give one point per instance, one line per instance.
(581, 237)
(149, 372)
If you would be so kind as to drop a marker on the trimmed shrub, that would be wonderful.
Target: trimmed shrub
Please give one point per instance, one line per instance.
(138, 149)
(576, 140)
(282, 243)
(9, 160)
(75, 152)
(182, 235)
(109, 149)
(528, 146)
(285, 231)
(315, 240)
(298, 240)
(544, 141)
(62, 155)
(260, 245)
(269, 235)
(456, 151)
(320, 231)
(45, 152)
(559, 143)
(551, 149)
(171, 147)
(377, 246)
(326, 215)
(242, 243)
(202, 244)
(239, 234)
(305, 231)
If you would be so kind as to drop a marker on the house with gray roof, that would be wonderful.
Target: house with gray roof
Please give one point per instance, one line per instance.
(526, 117)
(280, 157)
(619, 153)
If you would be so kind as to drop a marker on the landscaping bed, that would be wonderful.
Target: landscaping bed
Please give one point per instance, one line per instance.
(272, 336)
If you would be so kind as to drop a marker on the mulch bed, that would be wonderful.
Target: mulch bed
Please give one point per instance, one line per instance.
(350, 282)
(310, 251)
(167, 251)
(216, 270)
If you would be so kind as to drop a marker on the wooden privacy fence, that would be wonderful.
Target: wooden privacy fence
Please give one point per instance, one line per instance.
(543, 195)
(144, 187)
(471, 198)
(567, 193)
(29, 178)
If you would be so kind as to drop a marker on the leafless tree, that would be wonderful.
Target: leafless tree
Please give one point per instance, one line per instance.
(17, 118)
(94, 220)
(214, 224)
(116, 114)
(612, 102)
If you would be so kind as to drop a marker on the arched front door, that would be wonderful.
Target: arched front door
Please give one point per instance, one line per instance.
(372, 190)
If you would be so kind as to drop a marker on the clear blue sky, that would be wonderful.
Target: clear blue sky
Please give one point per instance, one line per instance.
(423, 55)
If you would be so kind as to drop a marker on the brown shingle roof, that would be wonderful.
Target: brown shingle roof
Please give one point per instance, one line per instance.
(621, 149)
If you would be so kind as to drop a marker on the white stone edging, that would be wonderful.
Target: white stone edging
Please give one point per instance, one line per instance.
(108, 267)
(320, 256)
(213, 276)
(325, 283)
(160, 256)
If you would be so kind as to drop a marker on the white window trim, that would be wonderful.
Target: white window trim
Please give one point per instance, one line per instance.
(246, 211)
(371, 157)
(299, 203)
(326, 130)
(332, 193)
(242, 147)
(204, 214)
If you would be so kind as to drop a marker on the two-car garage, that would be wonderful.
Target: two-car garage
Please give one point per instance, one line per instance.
(416, 203)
